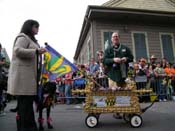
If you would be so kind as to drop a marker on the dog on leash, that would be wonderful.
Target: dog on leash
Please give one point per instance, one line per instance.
(46, 102)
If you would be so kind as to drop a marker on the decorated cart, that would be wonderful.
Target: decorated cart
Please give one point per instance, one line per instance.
(123, 101)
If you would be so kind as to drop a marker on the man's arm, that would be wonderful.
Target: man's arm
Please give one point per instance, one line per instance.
(108, 57)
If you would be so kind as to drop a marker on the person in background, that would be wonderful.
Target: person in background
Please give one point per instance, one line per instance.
(168, 80)
(61, 88)
(159, 77)
(153, 61)
(79, 82)
(2, 62)
(173, 77)
(93, 68)
(101, 70)
(100, 55)
(102, 80)
(141, 79)
(68, 87)
(163, 63)
(23, 74)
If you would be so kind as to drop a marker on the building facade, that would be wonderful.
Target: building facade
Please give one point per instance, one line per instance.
(146, 26)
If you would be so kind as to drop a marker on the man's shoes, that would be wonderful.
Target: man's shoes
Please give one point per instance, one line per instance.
(13, 110)
(117, 116)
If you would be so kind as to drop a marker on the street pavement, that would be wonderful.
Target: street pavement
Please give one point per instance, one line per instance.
(160, 117)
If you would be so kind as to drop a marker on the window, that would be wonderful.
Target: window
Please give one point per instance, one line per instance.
(140, 45)
(106, 35)
(107, 39)
(167, 46)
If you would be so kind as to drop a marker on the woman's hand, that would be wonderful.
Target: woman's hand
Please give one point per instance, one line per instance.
(41, 50)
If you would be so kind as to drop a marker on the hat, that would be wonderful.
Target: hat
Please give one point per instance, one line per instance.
(153, 57)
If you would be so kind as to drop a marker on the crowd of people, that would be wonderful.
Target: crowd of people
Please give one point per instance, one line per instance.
(3, 84)
(111, 71)
(158, 75)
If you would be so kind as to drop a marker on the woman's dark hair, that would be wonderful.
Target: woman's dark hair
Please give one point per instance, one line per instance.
(27, 28)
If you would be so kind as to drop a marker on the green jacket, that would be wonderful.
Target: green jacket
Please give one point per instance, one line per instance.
(117, 72)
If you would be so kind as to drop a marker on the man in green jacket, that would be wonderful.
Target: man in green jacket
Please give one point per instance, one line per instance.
(116, 59)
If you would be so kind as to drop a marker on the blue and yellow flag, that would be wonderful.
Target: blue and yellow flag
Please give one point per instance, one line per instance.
(56, 65)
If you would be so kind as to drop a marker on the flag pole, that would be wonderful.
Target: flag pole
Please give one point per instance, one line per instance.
(37, 75)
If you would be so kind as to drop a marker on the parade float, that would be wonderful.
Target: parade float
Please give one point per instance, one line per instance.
(123, 101)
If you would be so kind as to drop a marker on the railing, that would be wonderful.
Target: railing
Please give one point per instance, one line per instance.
(163, 88)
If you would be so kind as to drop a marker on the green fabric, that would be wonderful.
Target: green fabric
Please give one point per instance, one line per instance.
(120, 73)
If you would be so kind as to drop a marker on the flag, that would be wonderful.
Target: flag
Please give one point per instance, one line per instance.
(56, 65)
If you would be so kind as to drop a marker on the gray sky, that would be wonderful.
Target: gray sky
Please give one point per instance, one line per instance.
(60, 22)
